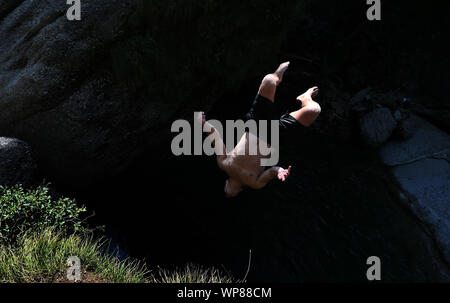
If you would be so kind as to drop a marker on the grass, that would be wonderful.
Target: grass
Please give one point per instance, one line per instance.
(41, 257)
(38, 234)
(192, 273)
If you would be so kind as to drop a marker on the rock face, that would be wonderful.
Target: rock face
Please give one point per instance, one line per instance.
(361, 101)
(377, 126)
(16, 164)
(426, 141)
(439, 116)
(90, 95)
(46, 96)
(427, 184)
(421, 167)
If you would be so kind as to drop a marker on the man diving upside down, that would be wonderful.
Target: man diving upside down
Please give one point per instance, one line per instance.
(244, 169)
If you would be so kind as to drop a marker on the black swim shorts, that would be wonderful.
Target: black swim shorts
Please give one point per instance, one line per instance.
(264, 109)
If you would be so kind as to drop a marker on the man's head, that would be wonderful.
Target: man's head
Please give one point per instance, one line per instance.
(232, 188)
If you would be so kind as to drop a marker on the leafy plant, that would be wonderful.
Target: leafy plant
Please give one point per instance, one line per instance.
(23, 209)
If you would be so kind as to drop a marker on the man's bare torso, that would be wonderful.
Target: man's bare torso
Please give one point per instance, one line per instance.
(240, 164)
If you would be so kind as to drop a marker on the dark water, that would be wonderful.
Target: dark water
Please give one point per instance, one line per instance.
(337, 208)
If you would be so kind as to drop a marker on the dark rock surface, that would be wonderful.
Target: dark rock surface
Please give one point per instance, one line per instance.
(427, 186)
(426, 141)
(90, 95)
(421, 167)
(16, 163)
(435, 113)
(377, 126)
(361, 102)
(48, 95)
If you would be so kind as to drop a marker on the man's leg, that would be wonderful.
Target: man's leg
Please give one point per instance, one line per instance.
(310, 109)
(219, 146)
(270, 82)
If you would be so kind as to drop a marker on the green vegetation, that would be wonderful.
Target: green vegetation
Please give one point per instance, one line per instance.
(42, 257)
(39, 233)
(35, 209)
(192, 273)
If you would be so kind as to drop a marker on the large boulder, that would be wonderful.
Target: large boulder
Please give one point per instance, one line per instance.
(50, 93)
(16, 163)
(90, 96)
(377, 126)
(421, 167)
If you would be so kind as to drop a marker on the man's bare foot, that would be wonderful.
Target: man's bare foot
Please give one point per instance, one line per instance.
(308, 95)
(281, 70)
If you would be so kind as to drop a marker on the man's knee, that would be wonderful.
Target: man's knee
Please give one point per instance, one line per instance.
(268, 87)
(270, 80)
(315, 108)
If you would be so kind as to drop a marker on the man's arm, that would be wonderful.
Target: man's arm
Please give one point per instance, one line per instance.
(272, 173)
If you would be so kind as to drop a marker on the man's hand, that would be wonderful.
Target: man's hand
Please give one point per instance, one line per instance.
(282, 173)
(270, 174)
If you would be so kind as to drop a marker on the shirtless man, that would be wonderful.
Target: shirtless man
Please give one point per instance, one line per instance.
(244, 169)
